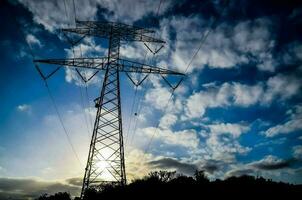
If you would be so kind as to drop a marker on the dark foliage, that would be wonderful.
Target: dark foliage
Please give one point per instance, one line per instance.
(57, 196)
(162, 184)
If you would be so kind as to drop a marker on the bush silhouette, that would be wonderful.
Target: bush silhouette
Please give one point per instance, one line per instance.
(57, 196)
(200, 177)
(163, 184)
(161, 176)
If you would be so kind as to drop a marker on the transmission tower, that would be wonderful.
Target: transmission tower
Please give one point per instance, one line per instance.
(106, 161)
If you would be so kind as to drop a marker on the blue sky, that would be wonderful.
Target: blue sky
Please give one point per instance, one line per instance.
(238, 111)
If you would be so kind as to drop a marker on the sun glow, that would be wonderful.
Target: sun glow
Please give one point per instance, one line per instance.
(104, 166)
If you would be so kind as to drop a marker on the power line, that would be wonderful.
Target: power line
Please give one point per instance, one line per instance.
(62, 123)
(89, 106)
(65, 10)
(139, 108)
(84, 113)
(132, 107)
(81, 93)
(52, 99)
(74, 10)
(157, 127)
(203, 39)
(139, 100)
(205, 36)
(81, 55)
(86, 90)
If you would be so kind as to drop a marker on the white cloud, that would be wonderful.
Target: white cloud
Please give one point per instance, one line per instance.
(33, 40)
(222, 141)
(137, 163)
(293, 124)
(269, 159)
(88, 48)
(293, 53)
(72, 76)
(227, 128)
(158, 97)
(129, 11)
(214, 97)
(297, 151)
(287, 127)
(43, 12)
(226, 46)
(245, 95)
(271, 142)
(183, 138)
(224, 148)
(282, 86)
(24, 108)
(277, 88)
(161, 98)
(167, 121)
(133, 51)
(225, 95)
(125, 11)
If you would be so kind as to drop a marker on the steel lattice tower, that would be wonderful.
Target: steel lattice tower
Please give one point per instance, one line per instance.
(106, 154)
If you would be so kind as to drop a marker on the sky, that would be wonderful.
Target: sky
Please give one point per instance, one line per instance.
(238, 111)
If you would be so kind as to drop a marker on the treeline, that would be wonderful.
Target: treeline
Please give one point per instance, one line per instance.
(163, 184)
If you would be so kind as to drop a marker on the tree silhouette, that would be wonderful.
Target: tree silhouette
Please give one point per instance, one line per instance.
(57, 196)
(200, 177)
(163, 184)
(162, 176)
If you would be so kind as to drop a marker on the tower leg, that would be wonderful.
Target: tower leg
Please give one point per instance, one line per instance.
(105, 162)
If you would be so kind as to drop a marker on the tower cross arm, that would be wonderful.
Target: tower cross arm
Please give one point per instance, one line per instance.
(101, 63)
(124, 35)
(142, 38)
(135, 67)
(107, 25)
(107, 29)
(87, 63)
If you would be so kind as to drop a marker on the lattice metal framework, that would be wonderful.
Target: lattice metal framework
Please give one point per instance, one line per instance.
(106, 154)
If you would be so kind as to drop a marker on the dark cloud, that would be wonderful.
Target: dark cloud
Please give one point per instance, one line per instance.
(209, 166)
(274, 164)
(75, 181)
(169, 163)
(13, 188)
(212, 166)
(298, 171)
(240, 172)
(268, 163)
